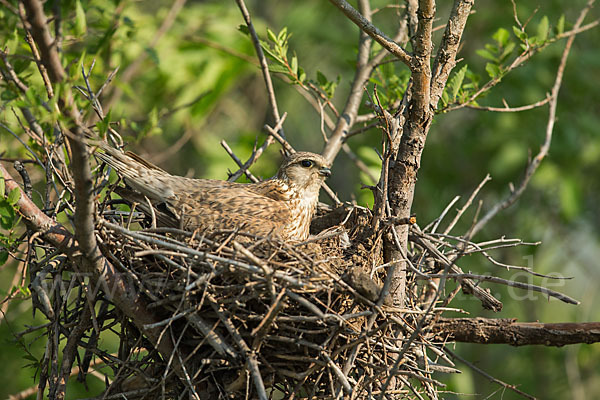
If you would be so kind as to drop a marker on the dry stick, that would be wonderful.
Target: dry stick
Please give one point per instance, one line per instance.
(238, 161)
(488, 301)
(436, 222)
(264, 66)
(467, 204)
(263, 327)
(70, 351)
(338, 372)
(506, 108)
(520, 285)
(509, 331)
(249, 355)
(534, 164)
(132, 306)
(202, 255)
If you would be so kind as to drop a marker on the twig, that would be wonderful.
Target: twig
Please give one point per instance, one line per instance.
(506, 108)
(521, 59)
(436, 222)
(258, 152)
(467, 204)
(238, 161)
(520, 285)
(249, 355)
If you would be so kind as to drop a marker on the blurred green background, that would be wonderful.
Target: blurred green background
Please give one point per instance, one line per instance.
(200, 84)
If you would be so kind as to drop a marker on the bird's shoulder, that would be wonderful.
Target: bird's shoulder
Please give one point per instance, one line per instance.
(275, 189)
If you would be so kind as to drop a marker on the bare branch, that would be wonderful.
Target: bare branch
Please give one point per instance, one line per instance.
(445, 59)
(420, 65)
(509, 331)
(506, 108)
(520, 285)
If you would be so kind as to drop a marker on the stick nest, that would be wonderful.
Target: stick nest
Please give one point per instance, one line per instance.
(247, 315)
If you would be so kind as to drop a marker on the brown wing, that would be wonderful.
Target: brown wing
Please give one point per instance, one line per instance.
(203, 204)
(226, 207)
(271, 188)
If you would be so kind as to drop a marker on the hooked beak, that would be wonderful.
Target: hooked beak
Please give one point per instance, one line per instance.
(324, 171)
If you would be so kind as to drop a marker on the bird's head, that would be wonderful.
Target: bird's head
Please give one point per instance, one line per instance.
(306, 171)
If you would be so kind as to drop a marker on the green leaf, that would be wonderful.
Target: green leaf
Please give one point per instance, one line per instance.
(295, 65)
(244, 29)
(501, 37)
(267, 49)
(491, 48)
(20, 65)
(1, 184)
(486, 54)
(510, 46)
(321, 78)
(542, 29)
(14, 196)
(301, 74)
(455, 83)
(271, 35)
(7, 214)
(560, 25)
(519, 33)
(3, 257)
(8, 95)
(493, 70)
(282, 37)
(80, 22)
(278, 68)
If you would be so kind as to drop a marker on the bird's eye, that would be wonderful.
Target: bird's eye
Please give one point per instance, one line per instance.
(306, 163)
